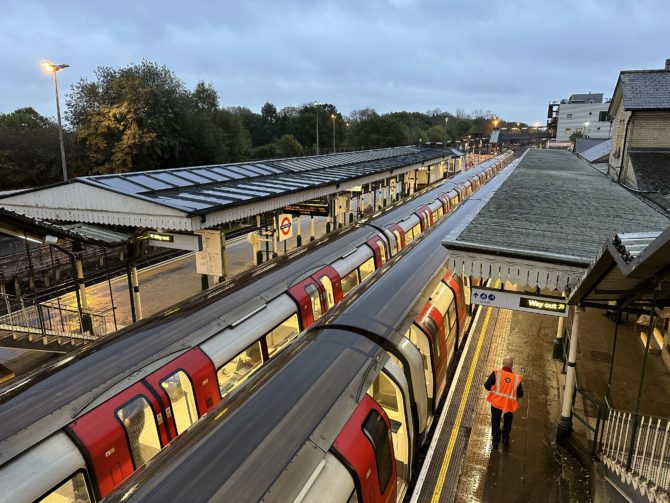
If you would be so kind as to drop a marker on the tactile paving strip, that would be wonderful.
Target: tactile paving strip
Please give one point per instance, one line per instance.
(462, 411)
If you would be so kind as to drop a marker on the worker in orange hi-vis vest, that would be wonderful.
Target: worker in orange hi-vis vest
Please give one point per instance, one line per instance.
(504, 387)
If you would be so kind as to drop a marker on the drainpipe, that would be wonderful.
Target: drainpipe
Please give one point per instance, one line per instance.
(623, 149)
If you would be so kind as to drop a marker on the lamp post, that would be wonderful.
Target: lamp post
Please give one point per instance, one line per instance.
(51, 68)
(446, 121)
(586, 129)
(333, 116)
(316, 105)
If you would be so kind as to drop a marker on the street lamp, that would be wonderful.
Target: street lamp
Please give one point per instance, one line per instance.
(316, 105)
(495, 122)
(586, 128)
(446, 121)
(51, 68)
(333, 116)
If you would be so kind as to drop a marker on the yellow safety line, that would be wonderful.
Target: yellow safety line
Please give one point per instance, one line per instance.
(457, 424)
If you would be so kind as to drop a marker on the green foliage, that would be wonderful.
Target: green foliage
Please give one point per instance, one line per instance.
(575, 135)
(24, 119)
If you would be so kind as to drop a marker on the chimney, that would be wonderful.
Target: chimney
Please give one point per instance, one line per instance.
(667, 64)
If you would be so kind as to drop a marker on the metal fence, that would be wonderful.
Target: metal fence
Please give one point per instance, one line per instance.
(22, 317)
(637, 448)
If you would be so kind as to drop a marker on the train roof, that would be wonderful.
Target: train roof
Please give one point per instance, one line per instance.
(290, 414)
(62, 389)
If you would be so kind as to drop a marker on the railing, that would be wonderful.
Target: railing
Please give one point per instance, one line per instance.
(20, 316)
(637, 448)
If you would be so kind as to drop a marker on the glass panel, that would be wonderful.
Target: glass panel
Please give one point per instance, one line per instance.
(409, 237)
(452, 314)
(378, 435)
(397, 239)
(382, 250)
(182, 401)
(137, 418)
(367, 268)
(73, 490)
(417, 230)
(353, 498)
(328, 286)
(315, 299)
(349, 282)
(233, 373)
(383, 391)
(282, 334)
(419, 339)
(442, 297)
(439, 213)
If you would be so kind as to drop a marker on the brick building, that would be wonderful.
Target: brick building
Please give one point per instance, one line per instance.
(640, 152)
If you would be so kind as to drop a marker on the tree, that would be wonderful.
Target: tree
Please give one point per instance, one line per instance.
(132, 118)
(288, 146)
(575, 135)
(24, 119)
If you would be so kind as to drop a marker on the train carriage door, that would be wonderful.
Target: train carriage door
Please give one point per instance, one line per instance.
(399, 235)
(431, 321)
(424, 217)
(391, 392)
(366, 447)
(444, 199)
(332, 285)
(187, 387)
(309, 295)
(379, 249)
(423, 344)
(121, 434)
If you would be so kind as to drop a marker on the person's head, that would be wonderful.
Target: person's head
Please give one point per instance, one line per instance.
(508, 361)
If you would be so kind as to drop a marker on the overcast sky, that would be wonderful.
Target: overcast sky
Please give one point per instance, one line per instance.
(510, 57)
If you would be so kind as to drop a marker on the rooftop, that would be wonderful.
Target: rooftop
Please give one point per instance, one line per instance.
(645, 89)
(550, 207)
(205, 196)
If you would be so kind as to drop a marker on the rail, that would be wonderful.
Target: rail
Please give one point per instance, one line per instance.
(637, 448)
(21, 317)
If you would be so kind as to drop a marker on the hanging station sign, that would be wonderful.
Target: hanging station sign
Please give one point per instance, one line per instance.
(313, 209)
(188, 242)
(539, 304)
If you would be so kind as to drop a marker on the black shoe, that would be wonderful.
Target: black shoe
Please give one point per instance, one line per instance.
(506, 442)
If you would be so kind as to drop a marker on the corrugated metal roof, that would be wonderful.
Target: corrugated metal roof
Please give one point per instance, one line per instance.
(597, 151)
(203, 188)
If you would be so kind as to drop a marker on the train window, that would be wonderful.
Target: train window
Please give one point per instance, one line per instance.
(73, 490)
(353, 498)
(137, 418)
(367, 268)
(439, 213)
(416, 230)
(377, 433)
(282, 334)
(349, 282)
(382, 250)
(383, 391)
(328, 287)
(182, 400)
(315, 299)
(239, 368)
(442, 297)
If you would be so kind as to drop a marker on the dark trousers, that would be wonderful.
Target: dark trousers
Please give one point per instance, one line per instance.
(495, 424)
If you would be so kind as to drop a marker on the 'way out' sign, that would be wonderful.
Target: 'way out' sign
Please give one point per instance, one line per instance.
(540, 304)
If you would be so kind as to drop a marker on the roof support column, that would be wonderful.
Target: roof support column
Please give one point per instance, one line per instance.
(311, 228)
(559, 341)
(133, 283)
(636, 416)
(565, 421)
(79, 269)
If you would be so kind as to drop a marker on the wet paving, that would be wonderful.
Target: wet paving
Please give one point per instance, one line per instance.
(532, 468)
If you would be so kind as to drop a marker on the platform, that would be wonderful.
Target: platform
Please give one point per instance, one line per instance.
(461, 464)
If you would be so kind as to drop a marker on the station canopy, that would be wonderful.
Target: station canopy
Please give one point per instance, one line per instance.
(632, 271)
(544, 222)
(207, 196)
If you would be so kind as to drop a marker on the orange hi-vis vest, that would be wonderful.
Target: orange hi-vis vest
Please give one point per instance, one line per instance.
(503, 393)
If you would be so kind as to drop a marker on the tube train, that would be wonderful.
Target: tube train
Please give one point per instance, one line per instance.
(77, 427)
(337, 417)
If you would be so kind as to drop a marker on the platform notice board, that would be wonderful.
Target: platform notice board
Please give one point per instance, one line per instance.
(540, 304)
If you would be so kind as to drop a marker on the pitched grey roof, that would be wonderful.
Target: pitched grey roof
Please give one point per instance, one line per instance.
(645, 89)
(582, 144)
(555, 203)
(652, 170)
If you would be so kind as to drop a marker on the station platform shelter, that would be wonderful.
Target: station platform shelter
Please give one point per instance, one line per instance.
(594, 420)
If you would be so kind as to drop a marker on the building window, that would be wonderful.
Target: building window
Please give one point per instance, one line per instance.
(598, 129)
(569, 116)
(567, 129)
(602, 116)
(590, 113)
